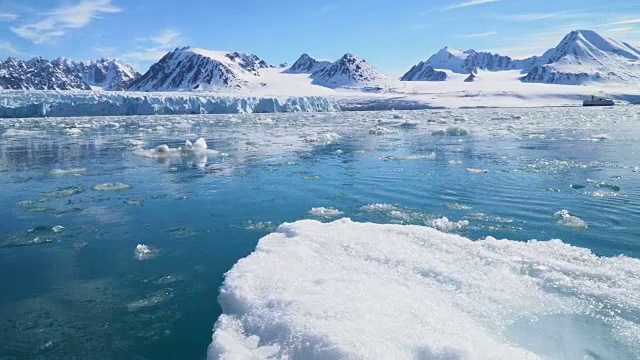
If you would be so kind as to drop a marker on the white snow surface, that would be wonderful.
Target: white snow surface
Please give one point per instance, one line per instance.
(347, 290)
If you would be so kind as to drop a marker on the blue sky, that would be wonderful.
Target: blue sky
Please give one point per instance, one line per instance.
(392, 35)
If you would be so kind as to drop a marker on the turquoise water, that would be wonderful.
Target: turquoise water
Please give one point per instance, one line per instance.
(81, 291)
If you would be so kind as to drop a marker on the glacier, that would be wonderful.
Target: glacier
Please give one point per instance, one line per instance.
(25, 104)
(347, 290)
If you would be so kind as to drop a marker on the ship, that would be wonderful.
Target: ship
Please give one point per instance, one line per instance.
(597, 101)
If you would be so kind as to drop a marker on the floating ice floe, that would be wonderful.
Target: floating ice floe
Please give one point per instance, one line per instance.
(446, 225)
(23, 133)
(378, 207)
(144, 252)
(429, 156)
(477, 171)
(197, 149)
(322, 139)
(325, 212)
(64, 192)
(381, 130)
(36, 236)
(153, 299)
(73, 131)
(565, 218)
(313, 291)
(451, 131)
(112, 186)
(61, 172)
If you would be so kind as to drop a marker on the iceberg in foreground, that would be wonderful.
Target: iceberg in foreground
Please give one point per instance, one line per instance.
(347, 290)
(24, 104)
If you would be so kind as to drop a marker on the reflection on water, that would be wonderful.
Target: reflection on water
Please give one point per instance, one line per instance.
(82, 292)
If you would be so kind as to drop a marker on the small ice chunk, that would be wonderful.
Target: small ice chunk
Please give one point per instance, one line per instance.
(446, 225)
(144, 252)
(477, 171)
(162, 149)
(379, 207)
(200, 145)
(57, 228)
(112, 186)
(381, 130)
(60, 172)
(438, 133)
(565, 218)
(608, 186)
(322, 139)
(325, 212)
(456, 131)
(73, 131)
(429, 156)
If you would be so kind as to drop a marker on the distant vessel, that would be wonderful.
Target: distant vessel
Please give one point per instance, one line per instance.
(596, 101)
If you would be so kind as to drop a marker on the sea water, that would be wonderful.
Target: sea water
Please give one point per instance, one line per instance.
(111, 249)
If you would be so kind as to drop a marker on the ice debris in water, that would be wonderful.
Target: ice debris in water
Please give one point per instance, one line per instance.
(451, 131)
(312, 290)
(112, 186)
(600, 137)
(60, 172)
(608, 186)
(64, 192)
(565, 218)
(325, 212)
(446, 225)
(429, 156)
(477, 171)
(322, 139)
(153, 299)
(144, 252)
(199, 146)
(381, 130)
(378, 207)
(36, 236)
(252, 225)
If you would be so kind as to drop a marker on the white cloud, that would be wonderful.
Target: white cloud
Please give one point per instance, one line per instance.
(153, 48)
(625, 22)
(524, 17)
(8, 17)
(620, 30)
(469, 3)
(59, 21)
(6, 48)
(478, 35)
(166, 38)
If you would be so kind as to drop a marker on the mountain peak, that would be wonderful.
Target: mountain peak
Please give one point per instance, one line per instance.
(306, 65)
(349, 71)
(586, 56)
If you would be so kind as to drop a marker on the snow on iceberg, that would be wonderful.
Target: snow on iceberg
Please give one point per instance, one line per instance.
(24, 104)
(346, 290)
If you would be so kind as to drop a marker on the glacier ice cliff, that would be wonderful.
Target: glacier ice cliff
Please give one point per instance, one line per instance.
(23, 104)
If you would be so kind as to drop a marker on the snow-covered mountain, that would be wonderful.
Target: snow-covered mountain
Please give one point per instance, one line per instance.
(39, 74)
(424, 72)
(585, 56)
(64, 74)
(462, 62)
(349, 71)
(307, 65)
(108, 74)
(190, 68)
